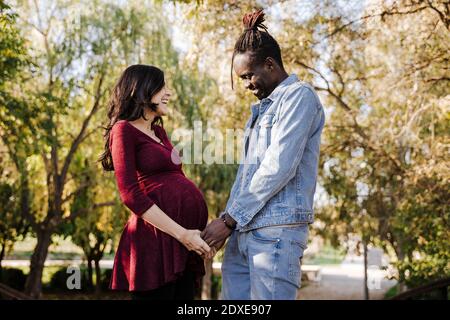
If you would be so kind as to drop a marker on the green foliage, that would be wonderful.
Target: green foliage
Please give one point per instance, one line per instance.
(423, 218)
(14, 278)
(393, 291)
(12, 52)
(13, 59)
(216, 286)
(106, 278)
(58, 281)
(12, 225)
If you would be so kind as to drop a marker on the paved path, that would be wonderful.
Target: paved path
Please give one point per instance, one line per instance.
(346, 282)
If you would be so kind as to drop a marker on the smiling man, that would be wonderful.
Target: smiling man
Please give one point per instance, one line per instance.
(271, 202)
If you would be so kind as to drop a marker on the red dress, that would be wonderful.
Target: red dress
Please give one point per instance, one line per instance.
(149, 173)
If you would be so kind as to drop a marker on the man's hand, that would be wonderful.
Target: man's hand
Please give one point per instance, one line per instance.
(216, 247)
(216, 233)
(210, 255)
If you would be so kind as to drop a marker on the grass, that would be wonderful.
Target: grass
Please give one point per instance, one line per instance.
(26, 255)
(393, 291)
(60, 249)
(326, 256)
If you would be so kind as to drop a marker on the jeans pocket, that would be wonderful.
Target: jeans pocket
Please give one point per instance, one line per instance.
(298, 240)
(267, 234)
(296, 250)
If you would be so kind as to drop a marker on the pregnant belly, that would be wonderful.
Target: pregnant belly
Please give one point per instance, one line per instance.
(179, 198)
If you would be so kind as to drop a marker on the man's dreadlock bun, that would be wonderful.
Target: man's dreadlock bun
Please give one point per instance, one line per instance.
(254, 20)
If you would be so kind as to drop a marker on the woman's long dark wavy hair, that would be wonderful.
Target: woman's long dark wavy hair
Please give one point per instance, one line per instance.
(131, 95)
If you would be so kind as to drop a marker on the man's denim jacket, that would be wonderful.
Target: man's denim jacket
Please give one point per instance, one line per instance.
(276, 180)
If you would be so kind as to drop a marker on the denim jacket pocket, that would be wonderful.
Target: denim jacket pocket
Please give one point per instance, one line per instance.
(264, 134)
(279, 197)
(266, 120)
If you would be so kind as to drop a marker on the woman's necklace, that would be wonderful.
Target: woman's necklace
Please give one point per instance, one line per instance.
(153, 135)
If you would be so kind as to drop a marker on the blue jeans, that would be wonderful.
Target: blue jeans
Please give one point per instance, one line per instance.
(264, 263)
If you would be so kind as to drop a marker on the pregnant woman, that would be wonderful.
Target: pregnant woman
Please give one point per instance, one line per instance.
(160, 254)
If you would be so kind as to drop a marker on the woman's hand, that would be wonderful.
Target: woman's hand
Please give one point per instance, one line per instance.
(192, 241)
(189, 238)
(211, 254)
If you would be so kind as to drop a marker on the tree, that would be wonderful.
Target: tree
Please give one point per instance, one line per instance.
(94, 229)
(13, 59)
(75, 68)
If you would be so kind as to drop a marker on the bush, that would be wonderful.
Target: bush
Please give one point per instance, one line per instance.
(14, 278)
(58, 281)
(393, 291)
(106, 277)
(421, 271)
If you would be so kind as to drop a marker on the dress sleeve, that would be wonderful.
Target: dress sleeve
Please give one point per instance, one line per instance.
(123, 151)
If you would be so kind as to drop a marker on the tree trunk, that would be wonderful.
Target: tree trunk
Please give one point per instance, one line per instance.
(207, 283)
(90, 273)
(366, 287)
(400, 257)
(98, 276)
(2, 255)
(33, 286)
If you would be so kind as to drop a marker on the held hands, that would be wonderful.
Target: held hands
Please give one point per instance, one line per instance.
(218, 245)
(211, 239)
(193, 242)
(216, 233)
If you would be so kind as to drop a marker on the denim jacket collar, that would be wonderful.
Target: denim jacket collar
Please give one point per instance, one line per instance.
(260, 107)
(280, 88)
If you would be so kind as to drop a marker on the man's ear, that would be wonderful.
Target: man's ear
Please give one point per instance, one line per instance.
(269, 63)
